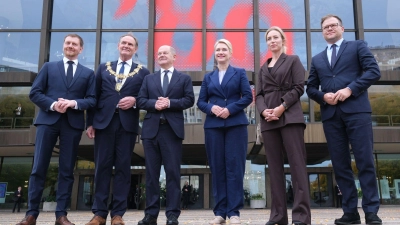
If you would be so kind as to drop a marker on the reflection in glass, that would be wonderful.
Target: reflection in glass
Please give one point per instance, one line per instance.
(305, 105)
(15, 171)
(74, 14)
(172, 14)
(188, 46)
(16, 109)
(109, 47)
(125, 14)
(386, 49)
(86, 58)
(295, 43)
(230, 14)
(321, 192)
(242, 47)
(17, 14)
(19, 51)
(385, 103)
(342, 8)
(386, 11)
(285, 14)
(389, 171)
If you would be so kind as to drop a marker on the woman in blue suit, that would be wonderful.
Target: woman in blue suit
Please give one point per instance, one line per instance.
(224, 94)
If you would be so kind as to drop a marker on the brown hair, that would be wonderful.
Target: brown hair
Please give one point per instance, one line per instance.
(76, 36)
(130, 34)
(280, 31)
(330, 16)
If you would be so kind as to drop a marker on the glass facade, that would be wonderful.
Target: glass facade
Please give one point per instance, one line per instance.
(192, 27)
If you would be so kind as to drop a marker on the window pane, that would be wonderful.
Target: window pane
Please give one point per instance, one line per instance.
(296, 45)
(388, 11)
(229, 14)
(193, 114)
(385, 103)
(15, 171)
(386, 48)
(74, 14)
(109, 47)
(16, 109)
(285, 14)
(86, 58)
(188, 46)
(19, 51)
(18, 14)
(132, 14)
(342, 8)
(243, 49)
(173, 14)
(389, 171)
(318, 43)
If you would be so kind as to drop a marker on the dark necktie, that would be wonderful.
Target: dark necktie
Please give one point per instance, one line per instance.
(333, 56)
(121, 71)
(70, 72)
(165, 82)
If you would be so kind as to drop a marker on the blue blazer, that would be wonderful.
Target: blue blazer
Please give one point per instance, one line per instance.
(180, 94)
(108, 98)
(51, 84)
(355, 68)
(233, 93)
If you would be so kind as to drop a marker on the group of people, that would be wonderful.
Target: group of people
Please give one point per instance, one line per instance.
(64, 89)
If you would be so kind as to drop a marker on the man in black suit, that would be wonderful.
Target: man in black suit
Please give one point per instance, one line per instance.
(164, 94)
(114, 124)
(62, 90)
(17, 199)
(345, 70)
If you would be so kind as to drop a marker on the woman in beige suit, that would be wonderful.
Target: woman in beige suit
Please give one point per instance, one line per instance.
(280, 86)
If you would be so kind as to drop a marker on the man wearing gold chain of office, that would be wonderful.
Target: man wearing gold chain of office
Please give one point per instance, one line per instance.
(113, 124)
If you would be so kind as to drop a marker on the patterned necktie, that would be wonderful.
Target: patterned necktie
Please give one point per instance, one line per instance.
(70, 72)
(118, 85)
(165, 82)
(333, 56)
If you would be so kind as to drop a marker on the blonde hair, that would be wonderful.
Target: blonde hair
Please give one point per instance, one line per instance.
(283, 36)
(224, 41)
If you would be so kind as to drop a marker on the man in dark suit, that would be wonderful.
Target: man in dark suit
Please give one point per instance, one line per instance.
(113, 124)
(62, 90)
(345, 70)
(164, 95)
(17, 199)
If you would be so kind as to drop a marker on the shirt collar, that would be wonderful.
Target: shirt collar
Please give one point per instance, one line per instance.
(129, 61)
(65, 60)
(171, 70)
(338, 43)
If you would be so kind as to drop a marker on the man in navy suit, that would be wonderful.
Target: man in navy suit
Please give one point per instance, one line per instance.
(62, 90)
(345, 70)
(113, 124)
(164, 95)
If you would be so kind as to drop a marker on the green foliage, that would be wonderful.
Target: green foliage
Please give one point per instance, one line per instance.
(258, 196)
(50, 198)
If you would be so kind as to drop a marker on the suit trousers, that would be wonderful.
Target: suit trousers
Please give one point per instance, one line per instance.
(113, 146)
(356, 129)
(165, 148)
(226, 152)
(46, 138)
(289, 138)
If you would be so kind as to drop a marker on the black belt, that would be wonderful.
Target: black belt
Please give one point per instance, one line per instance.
(116, 110)
(163, 121)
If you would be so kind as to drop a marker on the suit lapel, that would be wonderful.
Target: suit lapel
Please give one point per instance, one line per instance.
(78, 71)
(278, 63)
(157, 82)
(341, 49)
(230, 72)
(133, 67)
(61, 68)
(215, 80)
(174, 79)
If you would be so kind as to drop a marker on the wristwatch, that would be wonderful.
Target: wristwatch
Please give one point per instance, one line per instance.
(284, 105)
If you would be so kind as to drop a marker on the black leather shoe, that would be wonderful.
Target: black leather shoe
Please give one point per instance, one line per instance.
(349, 218)
(274, 223)
(298, 223)
(372, 218)
(172, 220)
(148, 220)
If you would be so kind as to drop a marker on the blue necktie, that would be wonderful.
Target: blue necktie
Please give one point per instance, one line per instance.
(165, 82)
(121, 71)
(70, 72)
(333, 56)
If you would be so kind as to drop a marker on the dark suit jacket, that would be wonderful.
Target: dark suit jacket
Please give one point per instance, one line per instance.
(180, 94)
(16, 197)
(233, 93)
(285, 83)
(108, 98)
(355, 68)
(51, 84)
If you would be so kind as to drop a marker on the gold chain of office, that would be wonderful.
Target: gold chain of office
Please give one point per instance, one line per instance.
(118, 85)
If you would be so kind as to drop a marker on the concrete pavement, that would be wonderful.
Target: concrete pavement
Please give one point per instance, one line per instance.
(322, 216)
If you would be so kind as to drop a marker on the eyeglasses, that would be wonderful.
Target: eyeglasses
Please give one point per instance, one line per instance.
(333, 26)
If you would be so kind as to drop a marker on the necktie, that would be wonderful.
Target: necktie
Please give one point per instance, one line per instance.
(70, 72)
(121, 71)
(333, 56)
(118, 85)
(165, 82)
